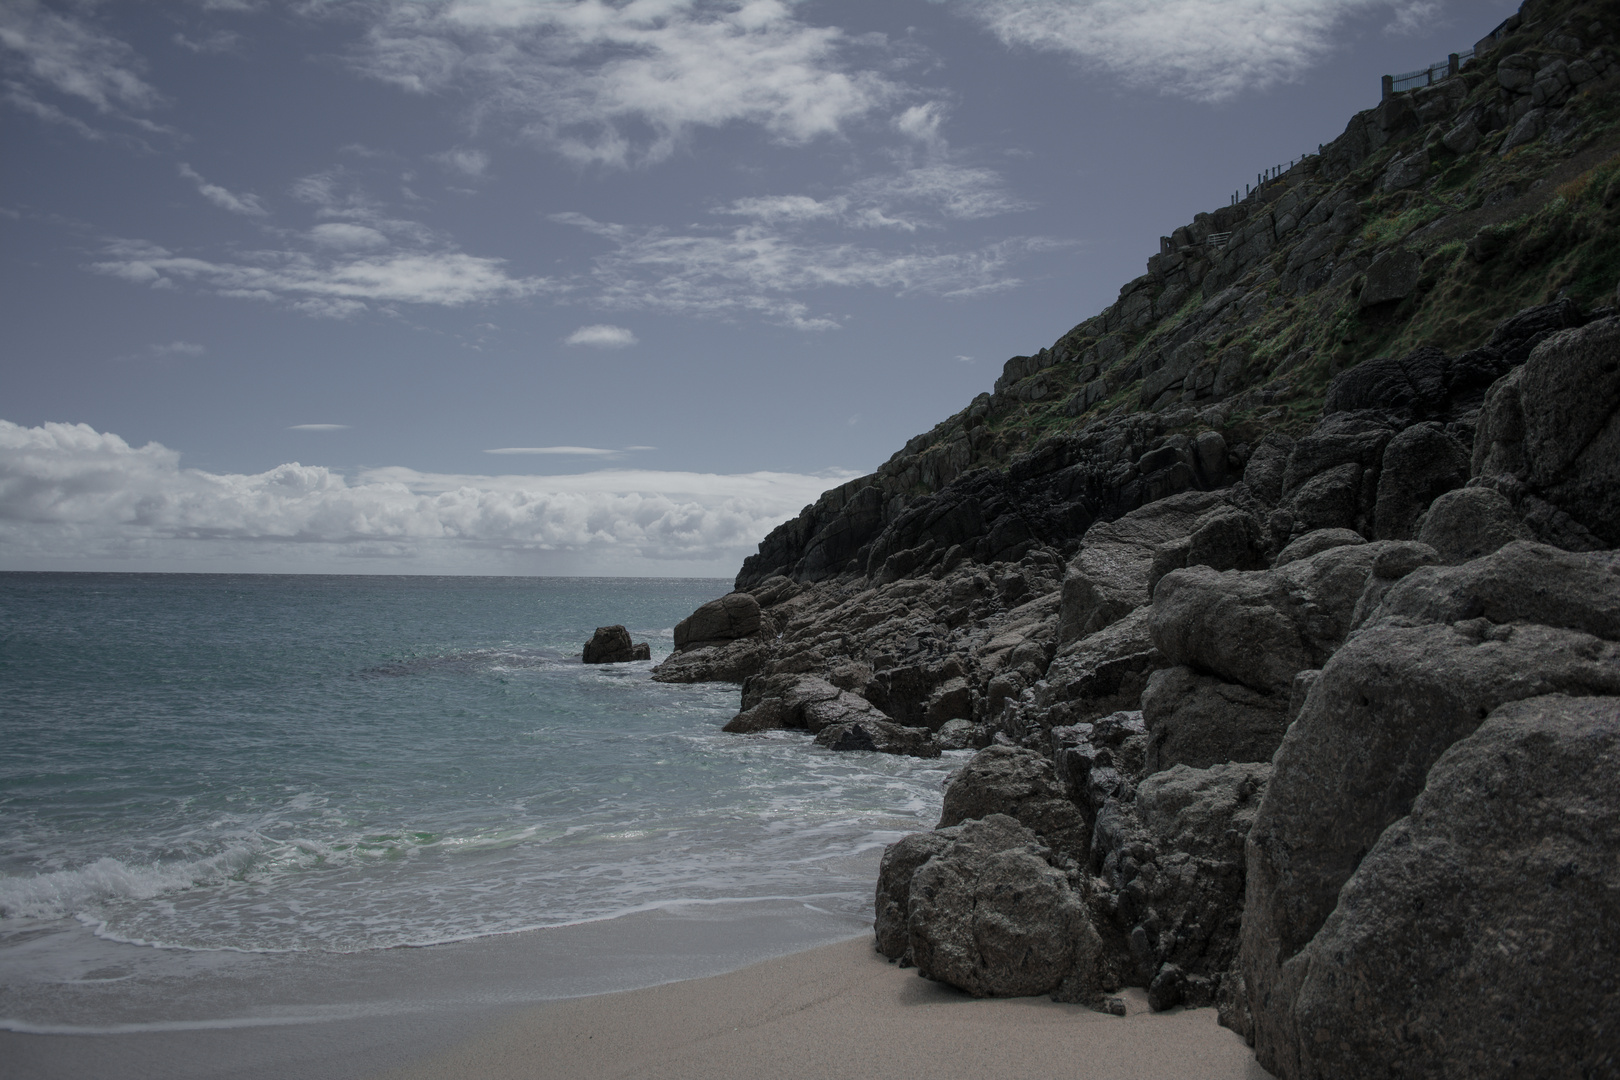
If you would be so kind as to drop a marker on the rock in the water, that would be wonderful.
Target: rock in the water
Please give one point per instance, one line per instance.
(725, 661)
(612, 645)
(733, 616)
(992, 916)
(1020, 784)
(883, 736)
(1198, 721)
(1469, 523)
(1477, 939)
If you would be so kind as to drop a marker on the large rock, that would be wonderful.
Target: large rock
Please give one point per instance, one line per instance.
(1317, 540)
(1020, 784)
(1523, 582)
(1260, 628)
(1101, 673)
(992, 916)
(612, 645)
(1420, 464)
(1108, 579)
(1198, 721)
(1394, 274)
(733, 616)
(1477, 939)
(881, 735)
(1470, 523)
(1383, 710)
(1172, 859)
(1554, 425)
(893, 903)
(725, 661)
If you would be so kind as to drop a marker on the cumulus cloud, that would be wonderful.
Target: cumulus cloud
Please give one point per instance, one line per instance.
(70, 493)
(762, 271)
(602, 336)
(248, 205)
(1203, 49)
(620, 84)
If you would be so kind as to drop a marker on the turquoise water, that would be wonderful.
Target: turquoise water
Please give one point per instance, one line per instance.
(272, 764)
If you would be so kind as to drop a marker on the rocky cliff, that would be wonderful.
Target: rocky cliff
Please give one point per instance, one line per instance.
(1280, 602)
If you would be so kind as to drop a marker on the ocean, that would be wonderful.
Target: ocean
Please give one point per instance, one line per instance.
(235, 799)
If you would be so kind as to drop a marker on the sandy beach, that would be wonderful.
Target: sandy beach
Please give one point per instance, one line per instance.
(833, 1012)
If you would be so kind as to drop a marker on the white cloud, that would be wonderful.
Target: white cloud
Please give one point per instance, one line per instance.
(319, 427)
(469, 163)
(602, 336)
(70, 495)
(347, 236)
(1203, 49)
(177, 348)
(216, 42)
(622, 84)
(567, 451)
(760, 271)
(1414, 17)
(334, 286)
(918, 197)
(73, 58)
(248, 205)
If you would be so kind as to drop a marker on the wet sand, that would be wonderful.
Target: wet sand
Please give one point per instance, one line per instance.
(832, 1012)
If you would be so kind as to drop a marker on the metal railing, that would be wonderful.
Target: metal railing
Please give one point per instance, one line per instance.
(1445, 69)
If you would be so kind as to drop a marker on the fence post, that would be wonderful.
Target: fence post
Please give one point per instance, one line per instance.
(1389, 87)
(1453, 64)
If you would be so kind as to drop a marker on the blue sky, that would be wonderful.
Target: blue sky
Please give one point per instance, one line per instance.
(574, 286)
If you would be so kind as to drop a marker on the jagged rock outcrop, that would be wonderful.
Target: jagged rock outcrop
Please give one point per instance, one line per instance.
(725, 640)
(612, 645)
(1224, 584)
(1476, 937)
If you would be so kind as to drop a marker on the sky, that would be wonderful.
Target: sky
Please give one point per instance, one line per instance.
(582, 286)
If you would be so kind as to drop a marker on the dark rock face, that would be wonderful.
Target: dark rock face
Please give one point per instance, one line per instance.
(1198, 721)
(1020, 784)
(1470, 523)
(1477, 937)
(1420, 464)
(992, 915)
(612, 645)
(883, 736)
(1447, 646)
(733, 616)
(900, 861)
(1553, 428)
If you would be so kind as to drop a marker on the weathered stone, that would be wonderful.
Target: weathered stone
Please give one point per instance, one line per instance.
(1103, 672)
(1522, 582)
(725, 661)
(1267, 465)
(1415, 381)
(1471, 522)
(883, 736)
(1198, 721)
(900, 861)
(1021, 784)
(1259, 628)
(1477, 937)
(1108, 579)
(1317, 540)
(612, 645)
(1420, 464)
(1555, 424)
(1383, 710)
(1394, 274)
(990, 915)
(733, 616)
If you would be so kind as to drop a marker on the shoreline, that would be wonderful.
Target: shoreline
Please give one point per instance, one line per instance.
(827, 1013)
(343, 1016)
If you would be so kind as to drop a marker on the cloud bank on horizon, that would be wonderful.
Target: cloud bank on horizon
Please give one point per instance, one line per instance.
(71, 495)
